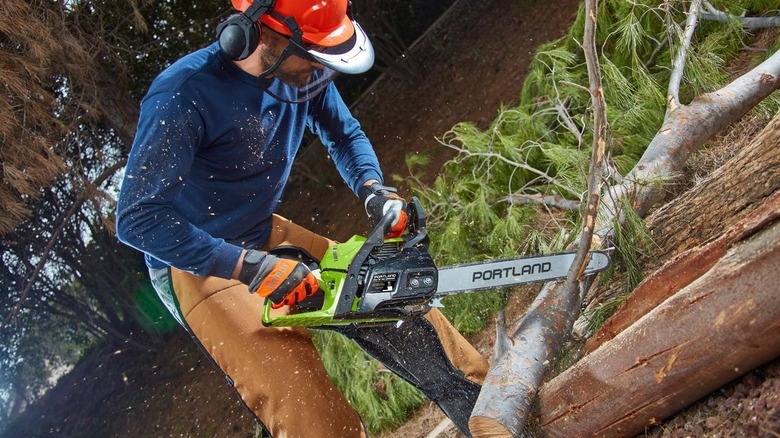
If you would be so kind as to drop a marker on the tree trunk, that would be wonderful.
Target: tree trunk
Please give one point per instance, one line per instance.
(681, 271)
(724, 321)
(717, 328)
(734, 192)
(742, 184)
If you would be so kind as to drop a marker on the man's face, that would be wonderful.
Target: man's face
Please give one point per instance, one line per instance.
(294, 70)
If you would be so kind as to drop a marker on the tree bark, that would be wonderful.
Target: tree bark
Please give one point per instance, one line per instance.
(745, 189)
(742, 184)
(681, 271)
(718, 327)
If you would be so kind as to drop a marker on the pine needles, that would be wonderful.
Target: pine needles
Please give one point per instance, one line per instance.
(540, 147)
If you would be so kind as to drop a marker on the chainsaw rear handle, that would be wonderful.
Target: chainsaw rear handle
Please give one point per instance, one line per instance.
(293, 252)
(374, 239)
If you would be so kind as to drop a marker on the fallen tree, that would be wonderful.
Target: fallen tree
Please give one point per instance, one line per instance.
(516, 375)
(722, 321)
(708, 315)
(747, 185)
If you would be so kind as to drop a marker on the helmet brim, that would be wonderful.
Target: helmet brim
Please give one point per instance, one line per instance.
(352, 56)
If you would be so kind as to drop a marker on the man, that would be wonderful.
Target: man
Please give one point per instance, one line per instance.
(216, 137)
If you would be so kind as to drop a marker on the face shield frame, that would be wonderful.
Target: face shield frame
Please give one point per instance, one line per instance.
(295, 46)
(357, 59)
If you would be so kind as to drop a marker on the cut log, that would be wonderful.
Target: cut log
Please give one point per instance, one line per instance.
(723, 199)
(498, 410)
(731, 196)
(722, 325)
(681, 271)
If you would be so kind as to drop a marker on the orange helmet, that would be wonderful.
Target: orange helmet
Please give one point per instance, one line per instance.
(341, 43)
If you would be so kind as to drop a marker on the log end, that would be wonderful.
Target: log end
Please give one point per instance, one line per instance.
(484, 427)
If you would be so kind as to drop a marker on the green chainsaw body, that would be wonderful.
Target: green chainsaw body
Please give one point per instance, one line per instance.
(369, 280)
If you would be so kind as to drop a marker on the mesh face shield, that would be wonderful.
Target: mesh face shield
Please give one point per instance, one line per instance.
(320, 80)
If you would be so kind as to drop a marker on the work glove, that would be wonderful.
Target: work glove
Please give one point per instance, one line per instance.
(284, 281)
(378, 200)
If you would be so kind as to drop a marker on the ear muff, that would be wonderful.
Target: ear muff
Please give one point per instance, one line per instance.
(238, 36)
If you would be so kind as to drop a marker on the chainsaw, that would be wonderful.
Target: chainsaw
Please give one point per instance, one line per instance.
(378, 280)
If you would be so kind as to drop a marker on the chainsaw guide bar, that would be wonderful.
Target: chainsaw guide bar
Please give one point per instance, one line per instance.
(495, 274)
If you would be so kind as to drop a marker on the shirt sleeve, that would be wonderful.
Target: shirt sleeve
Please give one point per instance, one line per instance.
(169, 132)
(352, 152)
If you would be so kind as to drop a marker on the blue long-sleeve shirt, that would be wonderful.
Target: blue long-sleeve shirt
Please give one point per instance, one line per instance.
(212, 154)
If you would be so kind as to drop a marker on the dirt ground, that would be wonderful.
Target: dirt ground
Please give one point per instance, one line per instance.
(463, 70)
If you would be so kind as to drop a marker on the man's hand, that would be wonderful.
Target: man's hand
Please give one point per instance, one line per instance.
(378, 201)
(284, 281)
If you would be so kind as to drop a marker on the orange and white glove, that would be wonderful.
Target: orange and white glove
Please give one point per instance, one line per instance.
(378, 200)
(284, 281)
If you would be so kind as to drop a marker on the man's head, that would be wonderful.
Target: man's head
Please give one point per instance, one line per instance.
(321, 31)
(294, 69)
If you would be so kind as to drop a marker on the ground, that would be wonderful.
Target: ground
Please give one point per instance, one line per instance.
(469, 65)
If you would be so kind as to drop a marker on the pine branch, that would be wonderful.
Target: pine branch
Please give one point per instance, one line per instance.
(556, 201)
(567, 122)
(684, 130)
(713, 14)
(544, 175)
(513, 380)
(678, 66)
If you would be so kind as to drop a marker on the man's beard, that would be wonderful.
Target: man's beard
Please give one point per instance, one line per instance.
(294, 79)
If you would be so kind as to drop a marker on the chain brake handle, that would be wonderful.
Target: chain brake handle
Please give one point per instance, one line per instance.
(417, 217)
(415, 222)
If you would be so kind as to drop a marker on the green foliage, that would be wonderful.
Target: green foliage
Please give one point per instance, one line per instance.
(597, 316)
(382, 399)
(631, 237)
(542, 145)
(469, 313)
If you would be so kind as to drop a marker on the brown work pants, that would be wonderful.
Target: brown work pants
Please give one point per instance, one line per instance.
(277, 371)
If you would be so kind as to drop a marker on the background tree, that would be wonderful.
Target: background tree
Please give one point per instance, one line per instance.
(75, 71)
(74, 74)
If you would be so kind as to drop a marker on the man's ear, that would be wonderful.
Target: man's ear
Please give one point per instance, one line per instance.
(264, 35)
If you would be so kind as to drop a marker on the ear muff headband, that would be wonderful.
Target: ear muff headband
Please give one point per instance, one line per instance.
(239, 35)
